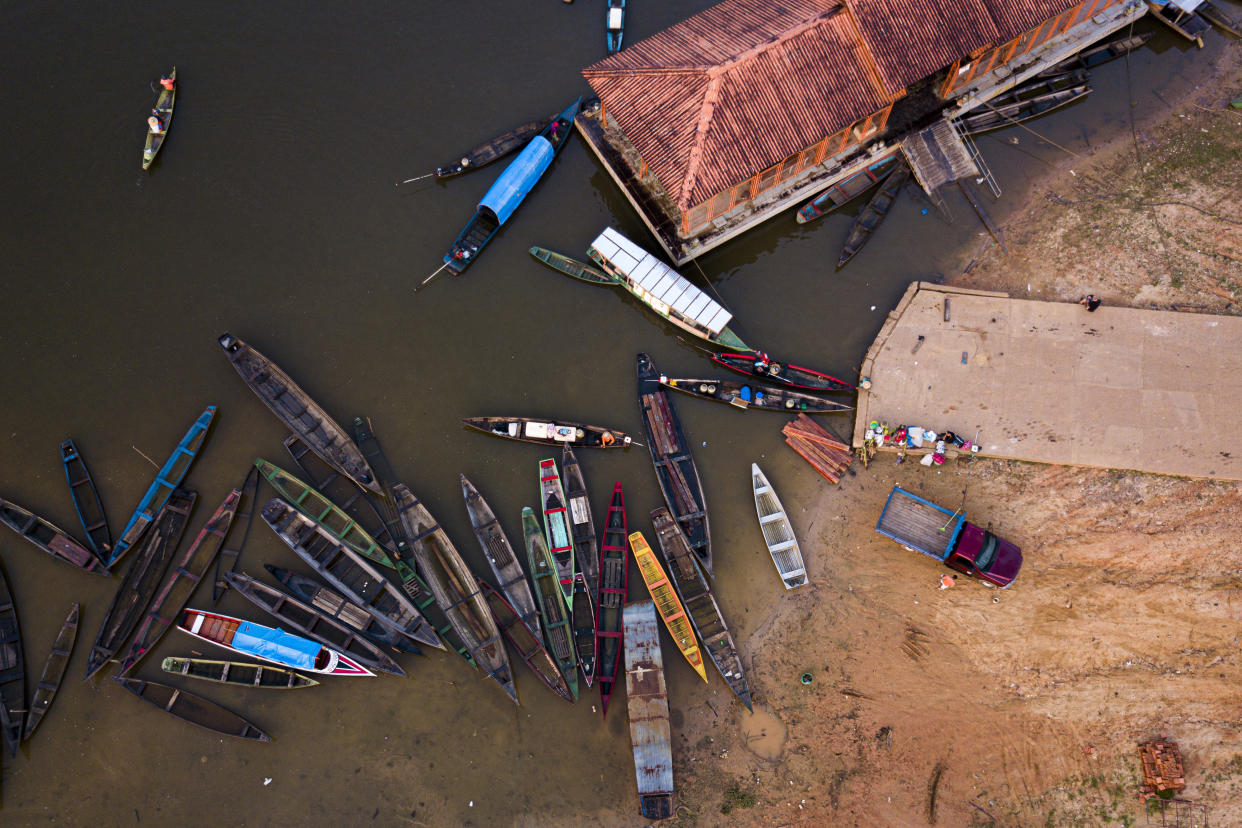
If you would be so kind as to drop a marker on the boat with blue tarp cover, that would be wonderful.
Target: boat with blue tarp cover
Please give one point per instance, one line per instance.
(270, 644)
(499, 202)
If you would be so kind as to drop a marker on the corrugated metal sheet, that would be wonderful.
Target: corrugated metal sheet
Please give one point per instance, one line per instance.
(647, 698)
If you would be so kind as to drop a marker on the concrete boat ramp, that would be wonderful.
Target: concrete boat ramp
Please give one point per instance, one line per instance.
(1124, 388)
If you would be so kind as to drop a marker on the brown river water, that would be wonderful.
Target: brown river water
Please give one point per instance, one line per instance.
(271, 213)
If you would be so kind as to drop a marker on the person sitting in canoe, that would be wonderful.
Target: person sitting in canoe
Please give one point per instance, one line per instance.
(168, 82)
(155, 124)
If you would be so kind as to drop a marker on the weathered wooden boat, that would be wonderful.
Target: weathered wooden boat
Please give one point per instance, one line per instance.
(647, 698)
(455, 589)
(1098, 54)
(614, 24)
(361, 505)
(1219, 17)
(53, 671)
(696, 596)
(500, 557)
(12, 670)
(614, 565)
(494, 149)
(194, 709)
(760, 365)
(1030, 100)
(873, 215)
(526, 641)
(235, 538)
(275, 645)
(163, 110)
(504, 197)
(48, 537)
(184, 577)
(848, 189)
(552, 603)
(556, 528)
(312, 504)
(674, 465)
(337, 606)
(778, 532)
(586, 564)
(662, 289)
(141, 580)
(667, 603)
(294, 407)
(572, 267)
(349, 572)
(746, 395)
(315, 625)
(262, 676)
(1181, 17)
(550, 432)
(166, 480)
(86, 501)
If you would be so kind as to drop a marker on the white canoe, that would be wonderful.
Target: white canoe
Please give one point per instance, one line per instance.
(777, 531)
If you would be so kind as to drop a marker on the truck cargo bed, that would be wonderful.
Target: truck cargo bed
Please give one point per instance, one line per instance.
(920, 524)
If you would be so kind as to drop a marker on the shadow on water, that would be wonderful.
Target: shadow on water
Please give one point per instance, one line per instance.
(272, 214)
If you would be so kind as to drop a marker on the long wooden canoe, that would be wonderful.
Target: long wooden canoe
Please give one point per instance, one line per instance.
(550, 432)
(1221, 17)
(86, 501)
(669, 605)
(614, 567)
(356, 649)
(194, 709)
(323, 512)
(647, 698)
(556, 528)
(548, 590)
(586, 564)
(164, 105)
(455, 589)
(848, 189)
(361, 505)
(778, 532)
(49, 537)
(12, 670)
(184, 577)
(494, 149)
(1186, 23)
(572, 267)
(167, 479)
(745, 395)
(500, 557)
(794, 376)
(349, 572)
(335, 605)
(141, 580)
(873, 215)
(674, 464)
(526, 641)
(53, 671)
(294, 407)
(262, 676)
(997, 117)
(700, 603)
(234, 540)
(1100, 53)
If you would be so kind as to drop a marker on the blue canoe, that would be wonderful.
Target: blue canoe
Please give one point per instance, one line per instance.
(614, 24)
(169, 478)
(507, 193)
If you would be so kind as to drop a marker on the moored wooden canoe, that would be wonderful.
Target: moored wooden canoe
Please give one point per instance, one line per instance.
(12, 670)
(556, 528)
(674, 464)
(53, 671)
(696, 596)
(500, 557)
(234, 540)
(746, 395)
(877, 209)
(294, 407)
(848, 189)
(371, 512)
(556, 628)
(795, 376)
(48, 537)
(493, 149)
(86, 501)
(194, 709)
(262, 676)
(550, 432)
(777, 531)
(572, 267)
(164, 105)
(586, 563)
(614, 566)
(667, 603)
(527, 643)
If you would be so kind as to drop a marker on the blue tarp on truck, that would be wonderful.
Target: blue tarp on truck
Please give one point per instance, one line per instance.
(920, 524)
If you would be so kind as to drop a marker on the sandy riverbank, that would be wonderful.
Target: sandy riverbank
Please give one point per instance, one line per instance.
(1022, 707)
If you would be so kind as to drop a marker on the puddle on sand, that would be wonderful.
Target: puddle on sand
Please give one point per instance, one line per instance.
(764, 733)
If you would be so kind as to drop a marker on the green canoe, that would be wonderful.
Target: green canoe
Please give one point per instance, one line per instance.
(164, 106)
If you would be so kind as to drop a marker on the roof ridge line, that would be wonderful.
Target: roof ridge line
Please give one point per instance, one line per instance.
(706, 110)
(787, 34)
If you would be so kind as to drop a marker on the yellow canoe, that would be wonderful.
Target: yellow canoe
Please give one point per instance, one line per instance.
(667, 603)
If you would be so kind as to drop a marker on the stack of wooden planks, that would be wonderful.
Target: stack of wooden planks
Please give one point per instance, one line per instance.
(1162, 767)
(828, 455)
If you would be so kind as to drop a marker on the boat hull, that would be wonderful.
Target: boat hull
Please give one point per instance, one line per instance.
(793, 376)
(614, 576)
(647, 701)
(747, 395)
(778, 534)
(550, 432)
(258, 676)
(53, 671)
(193, 709)
(86, 501)
(164, 104)
(556, 627)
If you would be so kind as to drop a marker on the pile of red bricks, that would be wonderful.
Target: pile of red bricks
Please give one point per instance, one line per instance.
(1162, 768)
(828, 455)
